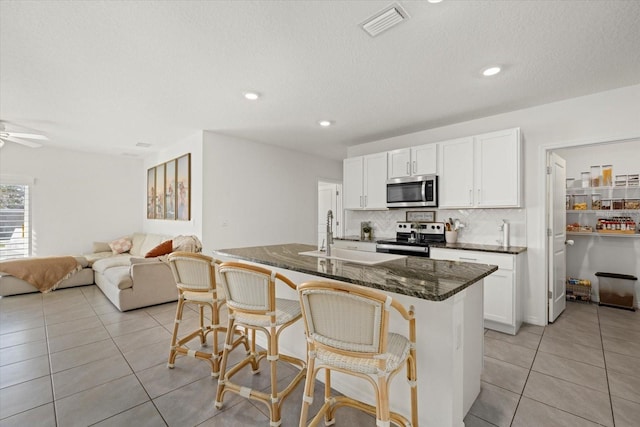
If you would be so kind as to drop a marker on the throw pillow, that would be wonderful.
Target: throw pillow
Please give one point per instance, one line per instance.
(120, 246)
(162, 249)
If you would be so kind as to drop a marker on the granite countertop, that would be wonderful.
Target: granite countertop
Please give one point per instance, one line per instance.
(499, 249)
(418, 277)
(513, 250)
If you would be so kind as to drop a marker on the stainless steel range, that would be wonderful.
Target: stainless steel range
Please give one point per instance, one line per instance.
(413, 238)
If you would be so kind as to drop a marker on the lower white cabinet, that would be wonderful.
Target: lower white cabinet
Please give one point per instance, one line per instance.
(502, 289)
(356, 246)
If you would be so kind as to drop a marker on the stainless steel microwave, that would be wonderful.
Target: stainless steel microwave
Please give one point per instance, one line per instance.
(412, 191)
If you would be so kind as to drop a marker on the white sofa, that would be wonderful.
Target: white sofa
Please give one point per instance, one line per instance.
(129, 280)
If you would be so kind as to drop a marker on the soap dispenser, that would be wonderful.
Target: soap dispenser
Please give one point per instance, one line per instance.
(505, 233)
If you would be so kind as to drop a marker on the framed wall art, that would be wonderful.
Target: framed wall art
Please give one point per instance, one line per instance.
(169, 190)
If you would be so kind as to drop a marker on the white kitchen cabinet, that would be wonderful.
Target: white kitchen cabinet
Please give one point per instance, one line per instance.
(365, 182)
(456, 164)
(502, 289)
(420, 160)
(483, 171)
(355, 246)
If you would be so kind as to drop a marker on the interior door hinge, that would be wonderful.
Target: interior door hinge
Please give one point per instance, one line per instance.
(549, 233)
(548, 170)
(337, 193)
(550, 295)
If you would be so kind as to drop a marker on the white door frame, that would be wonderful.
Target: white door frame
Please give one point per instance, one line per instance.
(543, 199)
(339, 214)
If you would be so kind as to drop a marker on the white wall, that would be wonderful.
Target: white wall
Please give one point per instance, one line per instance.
(612, 254)
(193, 145)
(600, 117)
(257, 194)
(77, 197)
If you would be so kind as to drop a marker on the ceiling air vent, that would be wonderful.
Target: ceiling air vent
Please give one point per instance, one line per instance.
(384, 20)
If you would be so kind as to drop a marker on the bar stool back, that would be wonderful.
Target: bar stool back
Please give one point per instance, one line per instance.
(196, 281)
(347, 331)
(252, 304)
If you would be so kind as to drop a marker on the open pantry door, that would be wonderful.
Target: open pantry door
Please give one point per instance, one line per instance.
(557, 235)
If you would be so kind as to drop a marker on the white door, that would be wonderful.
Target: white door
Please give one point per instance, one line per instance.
(557, 236)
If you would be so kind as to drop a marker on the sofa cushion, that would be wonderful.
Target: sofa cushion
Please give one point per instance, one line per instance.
(143, 243)
(120, 245)
(103, 264)
(92, 258)
(163, 248)
(119, 276)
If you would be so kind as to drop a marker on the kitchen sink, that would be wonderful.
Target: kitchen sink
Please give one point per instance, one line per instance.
(358, 257)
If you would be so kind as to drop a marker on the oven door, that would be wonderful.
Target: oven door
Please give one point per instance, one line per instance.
(387, 248)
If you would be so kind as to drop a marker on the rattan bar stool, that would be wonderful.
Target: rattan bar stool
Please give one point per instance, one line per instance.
(196, 281)
(347, 331)
(252, 304)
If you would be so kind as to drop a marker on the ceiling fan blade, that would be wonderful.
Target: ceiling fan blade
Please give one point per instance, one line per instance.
(28, 136)
(22, 142)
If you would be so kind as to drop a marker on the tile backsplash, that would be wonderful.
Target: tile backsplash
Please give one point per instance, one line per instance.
(480, 225)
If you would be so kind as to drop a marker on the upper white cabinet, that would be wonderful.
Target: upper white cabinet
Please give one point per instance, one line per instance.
(365, 182)
(421, 160)
(482, 171)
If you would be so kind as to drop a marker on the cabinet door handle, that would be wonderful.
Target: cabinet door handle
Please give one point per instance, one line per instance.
(471, 197)
(479, 195)
(361, 202)
(408, 172)
(415, 166)
(468, 259)
(365, 201)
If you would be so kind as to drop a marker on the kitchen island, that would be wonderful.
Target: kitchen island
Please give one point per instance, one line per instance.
(448, 301)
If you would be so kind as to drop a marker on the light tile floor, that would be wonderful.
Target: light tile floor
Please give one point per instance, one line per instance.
(70, 358)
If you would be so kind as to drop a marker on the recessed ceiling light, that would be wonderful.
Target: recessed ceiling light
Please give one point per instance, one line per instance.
(491, 71)
(325, 123)
(252, 96)
(434, 1)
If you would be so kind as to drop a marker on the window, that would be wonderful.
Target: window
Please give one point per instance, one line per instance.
(15, 230)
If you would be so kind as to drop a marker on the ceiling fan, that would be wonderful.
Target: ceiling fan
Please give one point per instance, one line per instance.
(20, 137)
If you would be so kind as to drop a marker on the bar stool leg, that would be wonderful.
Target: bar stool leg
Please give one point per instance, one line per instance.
(174, 337)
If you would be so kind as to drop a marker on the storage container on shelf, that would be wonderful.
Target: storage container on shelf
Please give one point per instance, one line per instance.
(570, 182)
(586, 179)
(596, 203)
(607, 175)
(633, 180)
(632, 204)
(595, 176)
(605, 204)
(580, 202)
(569, 202)
(617, 204)
(621, 181)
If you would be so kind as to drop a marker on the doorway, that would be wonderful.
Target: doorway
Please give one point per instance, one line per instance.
(554, 205)
(329, 198)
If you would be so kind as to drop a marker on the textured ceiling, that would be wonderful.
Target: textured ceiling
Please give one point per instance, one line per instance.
(103, 75)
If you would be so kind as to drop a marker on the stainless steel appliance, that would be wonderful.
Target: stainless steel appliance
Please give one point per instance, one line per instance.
(413, 238)
(412, 191)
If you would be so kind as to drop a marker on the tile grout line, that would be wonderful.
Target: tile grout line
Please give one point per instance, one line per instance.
(606, 371)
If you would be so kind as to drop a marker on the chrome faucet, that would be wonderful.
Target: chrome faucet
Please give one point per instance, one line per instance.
(329, 231)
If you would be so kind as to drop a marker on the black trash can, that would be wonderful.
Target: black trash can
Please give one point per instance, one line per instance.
(617, 290)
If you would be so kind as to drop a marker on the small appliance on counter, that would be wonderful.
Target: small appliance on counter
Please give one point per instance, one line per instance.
(413, 238)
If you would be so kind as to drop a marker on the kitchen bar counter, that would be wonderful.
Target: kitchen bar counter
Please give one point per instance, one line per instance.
(448, 301)
(417, 277)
